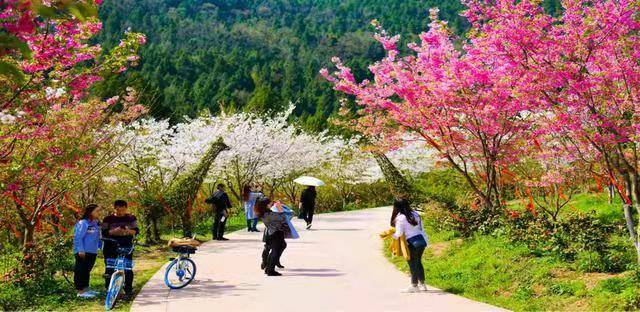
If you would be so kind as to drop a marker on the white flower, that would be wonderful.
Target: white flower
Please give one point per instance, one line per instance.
(51, 93)
(6, 118)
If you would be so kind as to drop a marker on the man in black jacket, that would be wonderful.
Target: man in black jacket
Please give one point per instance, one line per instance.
(221, 203)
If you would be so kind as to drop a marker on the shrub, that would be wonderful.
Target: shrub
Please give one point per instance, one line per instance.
(579, 237)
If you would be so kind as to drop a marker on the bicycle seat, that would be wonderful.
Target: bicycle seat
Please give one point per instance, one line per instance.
(184, 249)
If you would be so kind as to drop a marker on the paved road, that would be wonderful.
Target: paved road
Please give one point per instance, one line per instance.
(337, 266)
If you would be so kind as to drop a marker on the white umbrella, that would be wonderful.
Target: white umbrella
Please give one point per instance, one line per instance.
(309, 181)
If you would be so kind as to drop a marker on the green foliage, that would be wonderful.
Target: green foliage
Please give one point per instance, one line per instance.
(444, 186)
(362, 196)
(255, 55)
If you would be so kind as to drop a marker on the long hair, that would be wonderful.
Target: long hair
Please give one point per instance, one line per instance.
(246, 192)
(402, 206)
(88, 210)
(261, 206)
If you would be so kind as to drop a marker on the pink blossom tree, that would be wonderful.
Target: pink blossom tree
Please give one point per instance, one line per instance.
(52, 133)
(583, 67)
(459, 101)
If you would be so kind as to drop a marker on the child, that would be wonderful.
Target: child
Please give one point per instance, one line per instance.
(86, 242)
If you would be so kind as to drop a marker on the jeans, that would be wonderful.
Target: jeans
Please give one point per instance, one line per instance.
(415, 265)
(217, 231)
(274, 246)
(252, 224)
(128, 275)
(82, 270)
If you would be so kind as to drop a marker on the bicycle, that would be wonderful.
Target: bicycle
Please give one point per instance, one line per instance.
(120, 265)
(181, 270)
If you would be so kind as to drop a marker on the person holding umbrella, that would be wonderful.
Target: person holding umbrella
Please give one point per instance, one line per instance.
(308, 198)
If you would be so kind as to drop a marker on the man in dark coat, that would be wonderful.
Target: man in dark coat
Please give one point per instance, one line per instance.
(221, 203)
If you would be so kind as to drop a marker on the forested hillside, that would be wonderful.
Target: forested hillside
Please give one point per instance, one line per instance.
(249, 54)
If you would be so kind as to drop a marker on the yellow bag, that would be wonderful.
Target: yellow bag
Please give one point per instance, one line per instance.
(399, 247)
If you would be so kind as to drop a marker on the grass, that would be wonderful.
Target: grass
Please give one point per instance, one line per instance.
(597, 203)
(491, 269)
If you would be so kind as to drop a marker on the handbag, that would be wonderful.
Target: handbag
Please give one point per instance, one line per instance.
(417, 241)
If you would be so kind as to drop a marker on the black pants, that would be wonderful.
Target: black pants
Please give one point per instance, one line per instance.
(218, 226)
(82, 270)
(274, 246)
(307, 214)
(128, 275)
(415, 265)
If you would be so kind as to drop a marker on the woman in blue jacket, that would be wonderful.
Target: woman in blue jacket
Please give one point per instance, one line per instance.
(86, 242)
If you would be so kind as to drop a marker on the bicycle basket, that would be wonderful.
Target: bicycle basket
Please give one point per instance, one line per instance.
(120, 264)
(184, 249)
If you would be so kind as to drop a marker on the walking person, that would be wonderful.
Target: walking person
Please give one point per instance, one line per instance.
(308, 204)
(248, 202)
(221, 205)
(86, 242)
(409, 224)
(122, 227)
(274, 234)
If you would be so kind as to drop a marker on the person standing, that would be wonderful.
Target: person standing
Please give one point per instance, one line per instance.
(86, 242)
(248, 202)
(308, 204)
(221, 203)
(274, 234)
(122, 227)
(409, 224)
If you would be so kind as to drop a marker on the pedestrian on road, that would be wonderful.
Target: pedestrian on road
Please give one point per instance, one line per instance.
(274, 234)
(409, 224)
(121, 227)
(86, 242)
(308, 205)
(221, 205)
(248, 202)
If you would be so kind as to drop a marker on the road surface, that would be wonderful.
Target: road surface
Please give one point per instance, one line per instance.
(337, 266)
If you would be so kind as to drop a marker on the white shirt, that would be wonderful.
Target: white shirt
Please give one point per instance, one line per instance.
(403, 227)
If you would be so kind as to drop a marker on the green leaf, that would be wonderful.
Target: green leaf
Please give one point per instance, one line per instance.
(12, 71)
(46, 11)
(11, 42)
(82, 11)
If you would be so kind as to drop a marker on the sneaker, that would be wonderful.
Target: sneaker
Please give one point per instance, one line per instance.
(273, 273)
(93, 292)
(423, 287)
(280, 266)
(86, 295)
(309, 226)
(411, 289)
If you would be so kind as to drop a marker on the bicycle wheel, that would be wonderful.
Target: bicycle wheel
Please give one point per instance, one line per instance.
(180, 273)
(117, 280)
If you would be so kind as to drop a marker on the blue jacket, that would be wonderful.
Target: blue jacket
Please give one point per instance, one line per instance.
(86, 237)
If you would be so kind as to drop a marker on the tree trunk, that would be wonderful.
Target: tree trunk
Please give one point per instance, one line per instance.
(398, 184)
(156, 231)
(28, 240)
(632, 192)
(187, 225)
